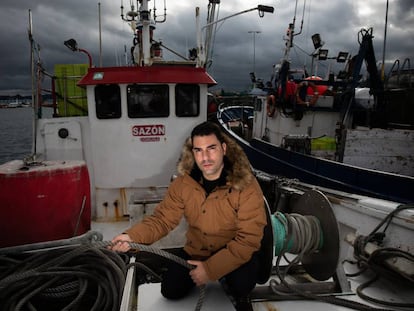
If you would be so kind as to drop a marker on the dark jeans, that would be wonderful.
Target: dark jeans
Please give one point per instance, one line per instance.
(177, 283)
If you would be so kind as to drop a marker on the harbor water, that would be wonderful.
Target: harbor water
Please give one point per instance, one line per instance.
(16, 128)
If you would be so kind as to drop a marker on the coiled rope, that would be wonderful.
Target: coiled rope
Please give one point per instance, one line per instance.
(70, 278)
(75, 277)
(296, 234)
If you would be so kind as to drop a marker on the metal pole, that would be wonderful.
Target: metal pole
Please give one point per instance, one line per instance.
(33, 76)
(100, 36)
(385, 39)
(254, 32)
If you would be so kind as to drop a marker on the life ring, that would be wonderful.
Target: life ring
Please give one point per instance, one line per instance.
(314, 97)
(271, 105)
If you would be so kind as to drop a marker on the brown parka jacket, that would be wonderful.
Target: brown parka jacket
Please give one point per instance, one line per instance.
(225, 227)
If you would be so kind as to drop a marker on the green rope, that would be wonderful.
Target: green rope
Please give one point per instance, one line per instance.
(294, 233)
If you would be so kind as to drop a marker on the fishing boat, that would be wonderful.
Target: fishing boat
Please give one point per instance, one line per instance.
(337, 132)
(105, 160)
(14, 104)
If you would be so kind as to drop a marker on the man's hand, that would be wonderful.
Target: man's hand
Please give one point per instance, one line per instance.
(120, 243)
(198, 274)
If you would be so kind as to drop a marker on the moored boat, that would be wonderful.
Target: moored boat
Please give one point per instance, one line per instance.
(339, 132)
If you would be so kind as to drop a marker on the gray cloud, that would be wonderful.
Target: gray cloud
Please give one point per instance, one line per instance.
(338, 22)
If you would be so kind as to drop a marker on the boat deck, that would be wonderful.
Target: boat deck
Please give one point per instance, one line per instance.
(149, 299)
(148, 296)
(137, 296)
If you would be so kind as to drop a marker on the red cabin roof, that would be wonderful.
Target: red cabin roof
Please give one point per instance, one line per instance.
(152, 74)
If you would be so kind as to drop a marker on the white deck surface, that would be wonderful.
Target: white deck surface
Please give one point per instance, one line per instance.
(150, 299)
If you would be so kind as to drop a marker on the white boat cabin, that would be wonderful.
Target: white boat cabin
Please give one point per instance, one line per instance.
(137, 121)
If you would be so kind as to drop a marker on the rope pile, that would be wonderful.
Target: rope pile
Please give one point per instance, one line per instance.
(76, 277)
(70, 278)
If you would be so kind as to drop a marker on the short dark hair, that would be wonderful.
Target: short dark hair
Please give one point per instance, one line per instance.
(208, 128)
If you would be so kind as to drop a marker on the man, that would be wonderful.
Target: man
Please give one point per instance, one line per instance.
(222, 202)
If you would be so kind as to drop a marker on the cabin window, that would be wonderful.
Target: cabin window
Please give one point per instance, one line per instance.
(108, 101)
(187, 100)
(148, 101)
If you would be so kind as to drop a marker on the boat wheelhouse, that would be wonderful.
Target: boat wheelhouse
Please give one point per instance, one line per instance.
(131, 125)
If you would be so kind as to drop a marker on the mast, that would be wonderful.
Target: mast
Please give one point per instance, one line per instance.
(280, 72)
(144, 47)
(32, 72)
(290, 33)
(144, 15)
(385, 40)
(211, 17)
(100, 35)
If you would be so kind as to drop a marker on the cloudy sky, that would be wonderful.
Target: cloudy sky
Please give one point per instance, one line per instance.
(235, 54)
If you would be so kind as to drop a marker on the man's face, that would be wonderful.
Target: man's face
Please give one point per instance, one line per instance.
(208, 154)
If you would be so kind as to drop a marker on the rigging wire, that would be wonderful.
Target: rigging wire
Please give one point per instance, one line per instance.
(307, 31)
(216, 29)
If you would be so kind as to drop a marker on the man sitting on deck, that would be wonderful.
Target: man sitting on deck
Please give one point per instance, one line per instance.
(222, 203)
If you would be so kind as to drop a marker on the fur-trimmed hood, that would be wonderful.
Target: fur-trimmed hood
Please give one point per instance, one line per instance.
(239, 173)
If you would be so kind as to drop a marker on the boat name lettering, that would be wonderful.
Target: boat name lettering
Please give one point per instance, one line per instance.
(148, 130)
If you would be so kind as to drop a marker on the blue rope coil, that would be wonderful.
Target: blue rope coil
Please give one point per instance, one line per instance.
(279, 223)
(296, 233)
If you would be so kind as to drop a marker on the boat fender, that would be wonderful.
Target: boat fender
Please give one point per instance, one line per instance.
(271, 105)
(314, 97)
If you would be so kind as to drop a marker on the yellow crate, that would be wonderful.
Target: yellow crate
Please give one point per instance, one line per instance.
(71, 99)
(323, 143)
